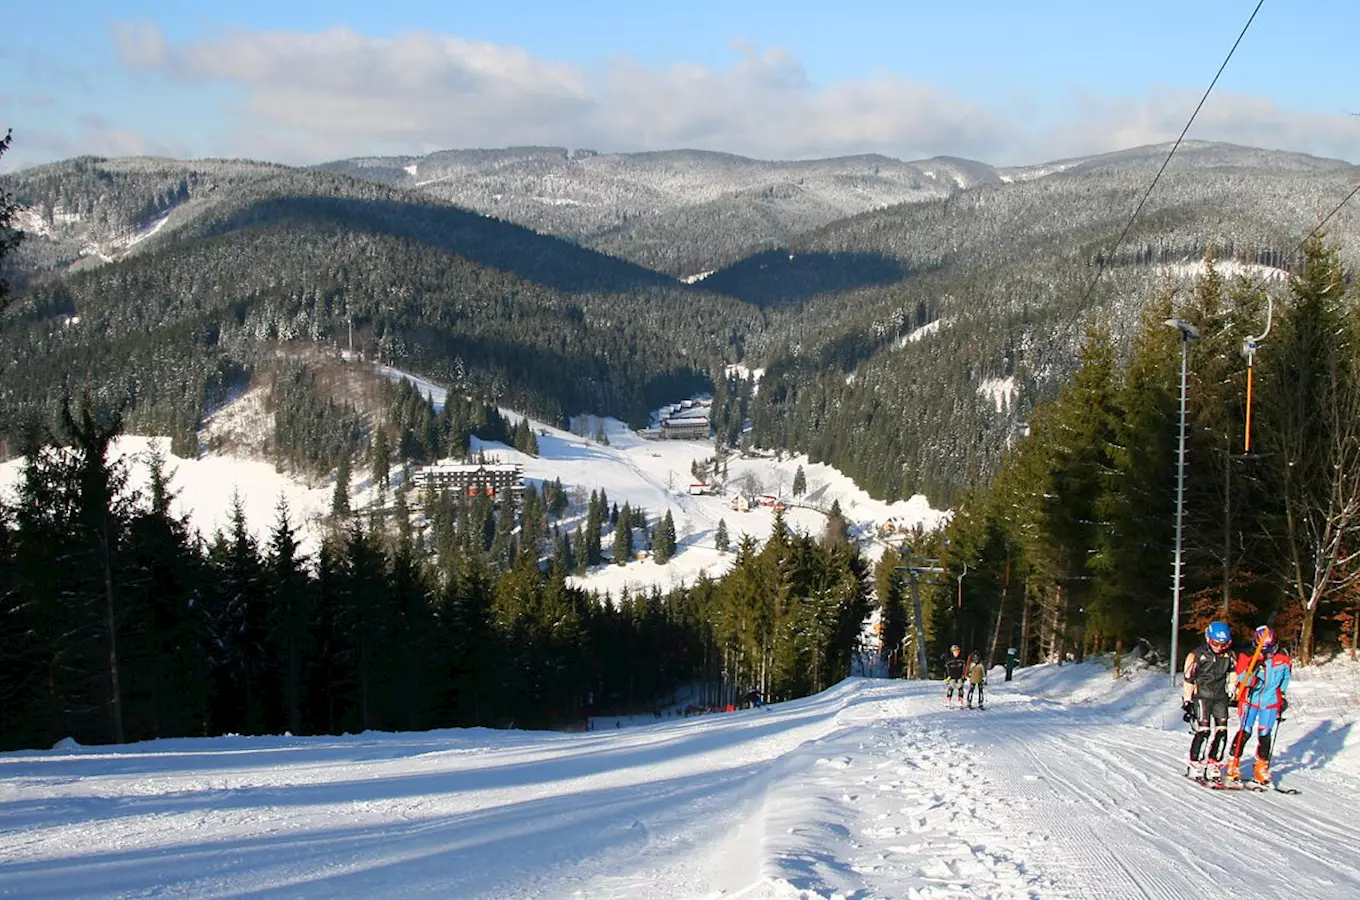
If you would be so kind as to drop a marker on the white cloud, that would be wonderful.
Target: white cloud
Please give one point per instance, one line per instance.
(312, 96)
(427, 90)
(1101, 124)
(95, 138)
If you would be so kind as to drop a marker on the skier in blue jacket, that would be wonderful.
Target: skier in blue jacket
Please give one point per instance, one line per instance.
(1263, 680)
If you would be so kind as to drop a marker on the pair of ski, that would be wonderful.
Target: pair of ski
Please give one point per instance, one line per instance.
(1243, 786)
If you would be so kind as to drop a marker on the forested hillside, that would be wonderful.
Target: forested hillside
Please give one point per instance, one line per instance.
(1069, 548)
(120, 624)
(1004, 275)
(907, 345)
(299, 257)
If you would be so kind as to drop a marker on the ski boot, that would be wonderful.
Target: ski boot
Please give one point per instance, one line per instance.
(1261, 773)
(1213, 771)
(1194, 769)
(1233, 771)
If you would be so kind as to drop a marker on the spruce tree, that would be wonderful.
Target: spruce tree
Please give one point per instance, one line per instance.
(380, 456)
(340, 496)
(503, 542)
(581, 549)
(799, 482)
(166, 673)
(290, 614)
(590, 546)
(720, 538)
(837, 534)
(240, 621)
(663, 545)
(623, 536)
(562, 558)
(533, 526)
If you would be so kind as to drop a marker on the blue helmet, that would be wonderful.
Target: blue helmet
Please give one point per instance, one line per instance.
(1218, 635)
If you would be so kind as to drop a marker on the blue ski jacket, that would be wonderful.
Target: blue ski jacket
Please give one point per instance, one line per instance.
(1269, 682)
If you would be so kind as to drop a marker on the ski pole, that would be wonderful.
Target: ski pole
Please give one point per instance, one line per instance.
(1275, 740)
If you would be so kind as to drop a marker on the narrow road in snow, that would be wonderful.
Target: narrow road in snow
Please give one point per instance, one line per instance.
(871, 789)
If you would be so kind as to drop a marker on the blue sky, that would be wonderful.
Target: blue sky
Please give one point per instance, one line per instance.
(1009, 83)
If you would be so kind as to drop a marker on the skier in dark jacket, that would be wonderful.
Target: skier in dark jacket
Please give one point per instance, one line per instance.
(1209, 680)
(954, 665)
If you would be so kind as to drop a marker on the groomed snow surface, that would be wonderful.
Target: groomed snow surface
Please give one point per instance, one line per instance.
(1069, 785)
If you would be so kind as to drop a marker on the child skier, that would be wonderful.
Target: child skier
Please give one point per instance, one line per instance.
(1205, 691)
(977, 677)
(953, 674)
(1264, 678)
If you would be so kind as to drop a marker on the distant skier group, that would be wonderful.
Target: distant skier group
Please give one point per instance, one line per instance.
(957, 671)
(1255, 682)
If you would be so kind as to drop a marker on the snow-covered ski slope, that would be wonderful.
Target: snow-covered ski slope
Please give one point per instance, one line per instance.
(1068, 785)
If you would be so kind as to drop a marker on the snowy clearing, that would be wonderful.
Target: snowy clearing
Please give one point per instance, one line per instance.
(205, 488)
(1068, 785)
(1001, 391)
(654, 476)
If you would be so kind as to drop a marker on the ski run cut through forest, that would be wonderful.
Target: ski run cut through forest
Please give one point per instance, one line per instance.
(1069, 784)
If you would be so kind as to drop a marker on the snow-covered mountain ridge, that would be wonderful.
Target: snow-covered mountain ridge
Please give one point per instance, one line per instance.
(686, 211)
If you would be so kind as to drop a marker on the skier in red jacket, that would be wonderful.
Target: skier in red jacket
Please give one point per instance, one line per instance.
(1263, 679)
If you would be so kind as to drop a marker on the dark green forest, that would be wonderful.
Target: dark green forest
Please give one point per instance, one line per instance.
(1068, 550)
(118, 623)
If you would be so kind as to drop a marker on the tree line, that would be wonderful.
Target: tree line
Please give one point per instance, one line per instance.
(1068, 550)
(118, 622)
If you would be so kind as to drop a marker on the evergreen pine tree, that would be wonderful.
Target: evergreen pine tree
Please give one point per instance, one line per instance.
(799, 482)
(502, 541)
(241, 629)
(581, 546)
(837, 534)
(290, 614)
(663, 545)
(380, 455)
(533, 527)
(590, 546)
(720, 538)
(340, 496)
(623, 536)
(562, 558)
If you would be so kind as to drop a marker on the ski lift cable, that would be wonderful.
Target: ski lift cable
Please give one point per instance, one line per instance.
(1100, 270)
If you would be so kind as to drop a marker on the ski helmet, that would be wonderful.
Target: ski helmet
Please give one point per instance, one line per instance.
(1218, 635)
(956, 649)
(1265, 636)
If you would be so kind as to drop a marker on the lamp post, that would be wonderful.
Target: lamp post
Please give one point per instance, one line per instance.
(1188, 333)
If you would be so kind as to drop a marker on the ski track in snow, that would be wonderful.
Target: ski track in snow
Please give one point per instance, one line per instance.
(869, 789)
